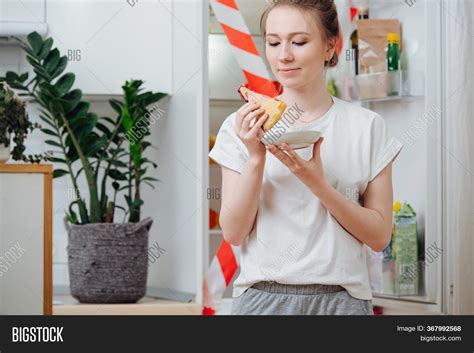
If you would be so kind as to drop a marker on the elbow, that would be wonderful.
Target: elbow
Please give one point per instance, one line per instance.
(382, 241)
(232, 231)
(232, 240)
(231, 235)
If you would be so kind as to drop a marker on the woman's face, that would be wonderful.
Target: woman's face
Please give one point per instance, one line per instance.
(294, 47)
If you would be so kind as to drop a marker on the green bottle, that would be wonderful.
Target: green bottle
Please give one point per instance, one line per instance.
(393, 54)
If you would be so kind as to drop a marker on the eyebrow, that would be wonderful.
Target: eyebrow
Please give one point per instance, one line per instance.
(290, 34)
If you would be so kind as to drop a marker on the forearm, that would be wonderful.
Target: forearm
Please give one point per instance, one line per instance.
(365, 224)
(238, 212)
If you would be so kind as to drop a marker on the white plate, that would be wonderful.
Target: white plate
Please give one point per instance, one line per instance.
(295, 139)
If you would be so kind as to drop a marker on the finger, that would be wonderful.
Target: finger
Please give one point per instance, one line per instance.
(248, 119)
(257, 127)
(319, 143)
(291, 152)
(258, 124)
(247, 108)
(242, 112)
(282, 156)
(317, 147)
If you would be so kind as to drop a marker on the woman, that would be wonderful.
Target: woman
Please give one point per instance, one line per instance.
(302, 217)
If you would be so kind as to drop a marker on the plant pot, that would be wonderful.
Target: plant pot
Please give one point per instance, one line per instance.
(108, 262)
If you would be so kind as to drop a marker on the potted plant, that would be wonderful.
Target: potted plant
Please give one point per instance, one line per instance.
(14, 121)
(108, 261)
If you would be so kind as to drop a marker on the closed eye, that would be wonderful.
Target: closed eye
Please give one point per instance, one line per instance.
(295, 43)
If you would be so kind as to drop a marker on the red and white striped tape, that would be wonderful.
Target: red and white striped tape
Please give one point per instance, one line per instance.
(223, 267)
(244, 48)
(225, 263)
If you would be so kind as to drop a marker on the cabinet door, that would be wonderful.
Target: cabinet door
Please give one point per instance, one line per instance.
(21, 244)
(109, 42)
(22, 11)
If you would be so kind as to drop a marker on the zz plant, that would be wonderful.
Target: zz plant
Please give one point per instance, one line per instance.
(100, 145)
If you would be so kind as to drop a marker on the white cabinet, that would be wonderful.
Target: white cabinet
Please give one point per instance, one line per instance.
(22, 11)
(109, 42)
(25, 239)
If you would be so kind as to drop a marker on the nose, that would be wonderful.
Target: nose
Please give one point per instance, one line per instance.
(285, 54)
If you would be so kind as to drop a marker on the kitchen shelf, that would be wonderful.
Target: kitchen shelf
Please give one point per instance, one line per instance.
(67, 305)
(388, 99)
(406, 298)
(405, 307)
(384, 86)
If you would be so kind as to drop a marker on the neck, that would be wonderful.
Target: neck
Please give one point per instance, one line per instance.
(313, 99)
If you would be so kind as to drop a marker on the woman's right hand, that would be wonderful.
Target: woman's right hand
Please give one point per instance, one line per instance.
(249, 134)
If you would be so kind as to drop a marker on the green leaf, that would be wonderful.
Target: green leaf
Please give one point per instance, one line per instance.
(150, 184)
(79, 111)
(56, 160)
(60, 67)
(79, 172)
(64, 84)
(109, 120)
(147, 161)
(24, 77)
(150, 179)
(104, 129)
(47, 45)
(91, 148)
(36, 42)
(116, 175)
(51, 61)
(145, 144)
(137, 203)
(152, 98)
(85, 125)
(33, 62)
(12, 76)
(116, 105)
(48, 90)
(52, 143)
(19, 87)
(59, 173)
(49, 132)
(71, 100)
(27, 49)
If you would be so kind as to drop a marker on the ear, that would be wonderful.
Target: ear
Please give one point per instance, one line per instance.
(330, 48)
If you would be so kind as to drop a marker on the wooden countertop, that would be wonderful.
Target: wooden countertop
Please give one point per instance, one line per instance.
(67, 305)
(26, 168)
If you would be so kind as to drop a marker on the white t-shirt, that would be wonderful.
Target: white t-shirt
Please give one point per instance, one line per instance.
(295, 240)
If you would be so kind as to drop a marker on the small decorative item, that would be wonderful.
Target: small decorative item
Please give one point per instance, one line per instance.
(14, 123)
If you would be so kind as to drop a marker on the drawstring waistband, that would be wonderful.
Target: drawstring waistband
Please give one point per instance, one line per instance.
(305, 289)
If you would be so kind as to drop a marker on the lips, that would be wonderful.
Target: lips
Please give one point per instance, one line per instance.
(288, 70)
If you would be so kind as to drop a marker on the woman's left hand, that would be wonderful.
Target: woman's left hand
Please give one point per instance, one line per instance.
(309, 172)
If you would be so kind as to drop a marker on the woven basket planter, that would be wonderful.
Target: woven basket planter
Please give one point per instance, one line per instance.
(108, 262)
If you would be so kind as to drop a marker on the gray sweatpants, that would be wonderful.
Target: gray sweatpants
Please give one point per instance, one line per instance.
(271, 298)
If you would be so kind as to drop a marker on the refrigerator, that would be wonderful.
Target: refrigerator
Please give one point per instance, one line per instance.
(421, 117)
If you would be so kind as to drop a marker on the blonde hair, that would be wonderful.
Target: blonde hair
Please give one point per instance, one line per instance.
(325, 15)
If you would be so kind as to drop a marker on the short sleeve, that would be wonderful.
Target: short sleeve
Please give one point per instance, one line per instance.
(384, 147)
(228, 149)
